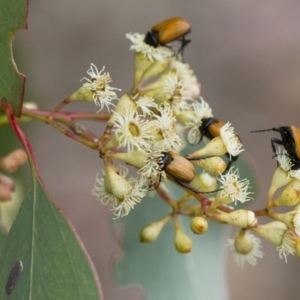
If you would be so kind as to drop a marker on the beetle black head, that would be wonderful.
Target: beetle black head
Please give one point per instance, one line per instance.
(151, 39)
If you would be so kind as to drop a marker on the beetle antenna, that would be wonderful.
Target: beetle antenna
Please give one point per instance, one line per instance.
(199, 192)
(262, 130)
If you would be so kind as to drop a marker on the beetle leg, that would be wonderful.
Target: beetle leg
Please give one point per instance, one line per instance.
(184, 42)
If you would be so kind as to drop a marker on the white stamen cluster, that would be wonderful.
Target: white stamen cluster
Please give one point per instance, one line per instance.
(251, 256)
(103, 94)
(159, 54)
(231, 140)
(233, 187)
(288, 245)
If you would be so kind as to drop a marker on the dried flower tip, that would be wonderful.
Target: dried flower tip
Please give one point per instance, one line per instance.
(13, 161)
(151, 232)
(98, 84)
(199, 225)
(288, 245)
(231, 140)
(242, 218)
(247, 248)
(160, 54)
(204, 183)
(290, 195)
(213, 165)
(272, 232)
(233, 189)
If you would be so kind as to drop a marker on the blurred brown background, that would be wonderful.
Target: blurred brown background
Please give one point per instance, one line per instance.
(246, 55)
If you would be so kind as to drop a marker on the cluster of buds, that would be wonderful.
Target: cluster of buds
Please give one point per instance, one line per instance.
(10, 164)
(148, 129)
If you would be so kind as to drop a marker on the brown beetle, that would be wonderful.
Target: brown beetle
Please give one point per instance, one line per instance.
(290, 140)
(169, 31)
(210, 128)
(179, 168)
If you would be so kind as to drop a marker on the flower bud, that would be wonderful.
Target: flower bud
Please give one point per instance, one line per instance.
(215, 147)
(290, 195)
(297, 246)
(272, 232)
(204, 183)
(145, 68)
(82, 94)
(7, 186)
(243, 244)
(125, 104)
(114, 183)
(213, 165)
(242, 218)
(13, 160)
(151, 232)
(136, 158)
(183, 243)
(286, 218)
(280, 178)
(199, 225)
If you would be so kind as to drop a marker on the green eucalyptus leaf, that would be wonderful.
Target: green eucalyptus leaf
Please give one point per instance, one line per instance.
(13, 15)
(54, 263)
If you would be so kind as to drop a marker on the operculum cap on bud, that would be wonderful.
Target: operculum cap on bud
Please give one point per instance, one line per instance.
(213, 165)
(151, 232)
(242, 218)
(290, 195)
(199, 225)
(215, 147)
(183, 243)
(272, 232)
